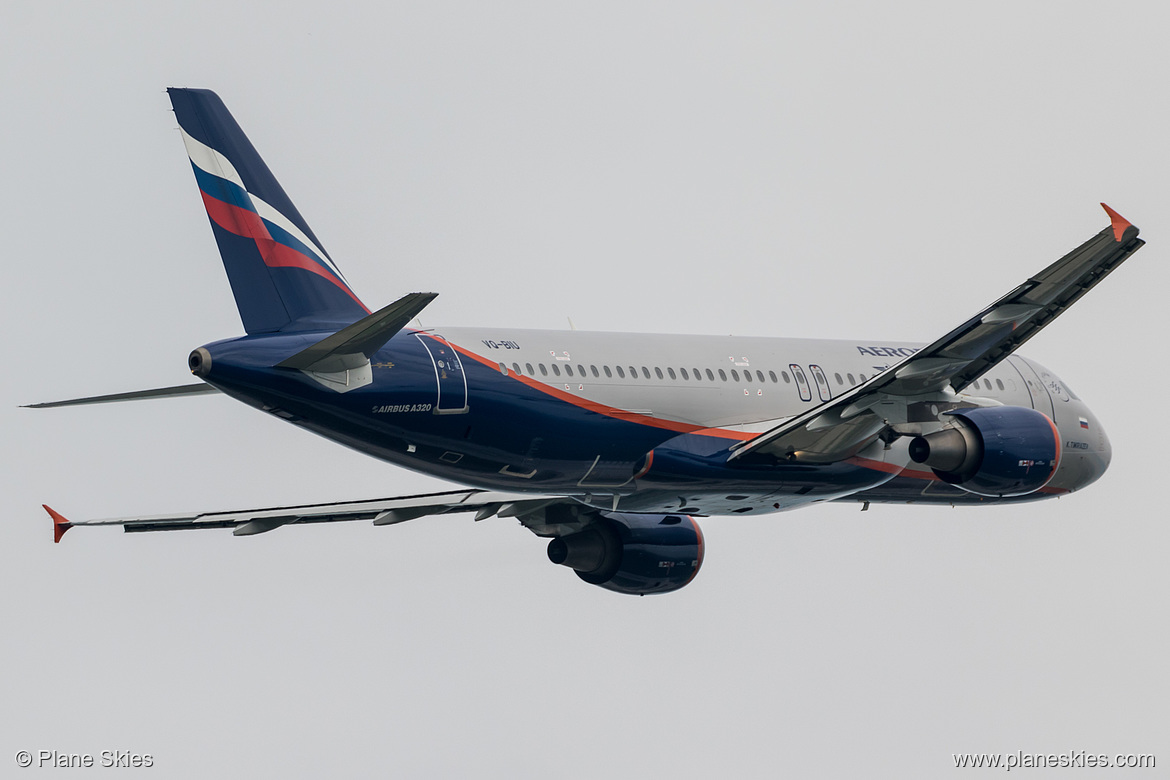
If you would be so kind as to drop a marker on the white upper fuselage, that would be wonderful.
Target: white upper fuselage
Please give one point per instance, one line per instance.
(746, 384)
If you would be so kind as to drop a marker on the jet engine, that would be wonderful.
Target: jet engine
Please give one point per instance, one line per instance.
(633, 553)
(993, 451)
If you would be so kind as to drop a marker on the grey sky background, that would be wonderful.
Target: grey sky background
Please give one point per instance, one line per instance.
(852, 170)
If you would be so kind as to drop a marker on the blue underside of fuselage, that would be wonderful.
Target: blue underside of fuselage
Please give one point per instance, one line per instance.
(516, 437)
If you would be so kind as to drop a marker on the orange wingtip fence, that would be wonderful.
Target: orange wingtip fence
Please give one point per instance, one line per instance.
(1120, 223)
(60, 524)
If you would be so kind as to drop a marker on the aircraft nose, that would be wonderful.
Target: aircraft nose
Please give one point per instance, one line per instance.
(1104, 454)
(1085, 454)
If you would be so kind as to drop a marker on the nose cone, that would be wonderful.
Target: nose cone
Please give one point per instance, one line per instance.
(1102, 456)
(1085, 452)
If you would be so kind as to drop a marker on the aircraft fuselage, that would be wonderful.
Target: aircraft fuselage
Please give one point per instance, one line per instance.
(638, 422)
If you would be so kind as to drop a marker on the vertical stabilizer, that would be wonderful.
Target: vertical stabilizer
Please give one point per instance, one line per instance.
(281, 277)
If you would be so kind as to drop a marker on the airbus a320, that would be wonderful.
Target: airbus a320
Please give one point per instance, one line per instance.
(611, 444)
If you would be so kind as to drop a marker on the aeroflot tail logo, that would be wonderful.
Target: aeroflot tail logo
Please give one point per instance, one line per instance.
(280, 242)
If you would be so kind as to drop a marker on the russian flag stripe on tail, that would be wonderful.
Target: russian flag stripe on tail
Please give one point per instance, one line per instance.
(282, 278)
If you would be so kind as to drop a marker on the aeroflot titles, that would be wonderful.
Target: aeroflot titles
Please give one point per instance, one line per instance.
(887, 351)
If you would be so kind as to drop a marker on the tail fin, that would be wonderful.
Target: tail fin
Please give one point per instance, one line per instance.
(281, 277)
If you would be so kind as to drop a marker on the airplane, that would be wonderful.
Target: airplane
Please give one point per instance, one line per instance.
(611, 444)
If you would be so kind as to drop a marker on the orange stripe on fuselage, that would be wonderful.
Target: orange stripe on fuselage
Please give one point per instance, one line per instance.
(681, 427)
(603, 409)
(890, 468)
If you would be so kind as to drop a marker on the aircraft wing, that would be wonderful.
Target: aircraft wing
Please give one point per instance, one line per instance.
(841, 427)
(382, 511)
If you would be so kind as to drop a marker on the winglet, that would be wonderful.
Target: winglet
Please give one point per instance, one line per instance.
(60, 524)
(1120, 223)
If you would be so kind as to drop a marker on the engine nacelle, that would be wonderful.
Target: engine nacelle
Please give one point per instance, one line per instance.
(994, 451)
(633, 553)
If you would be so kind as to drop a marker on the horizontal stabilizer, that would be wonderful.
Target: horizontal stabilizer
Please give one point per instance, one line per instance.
(137, 395)
(355, 344)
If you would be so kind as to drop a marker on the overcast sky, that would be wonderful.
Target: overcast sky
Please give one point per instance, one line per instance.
(852, 170)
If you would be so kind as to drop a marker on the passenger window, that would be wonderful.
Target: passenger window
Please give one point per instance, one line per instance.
(722, 375)
(658, 371)
(710, 376)
(634, 373)
(645, 372)
(516, 368)
(772, 376)
(503, 369)
(685, 375)
(621, 374)
(850, 378)
(862, 377)
(787, 379)
(530, 371)
(670, 373)
(595, 372)
(838, 378)
(760, 376)
(999, 383)
(734, 374)
(543, 370)
(568, 369)
(556, 369)
(581, 370)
